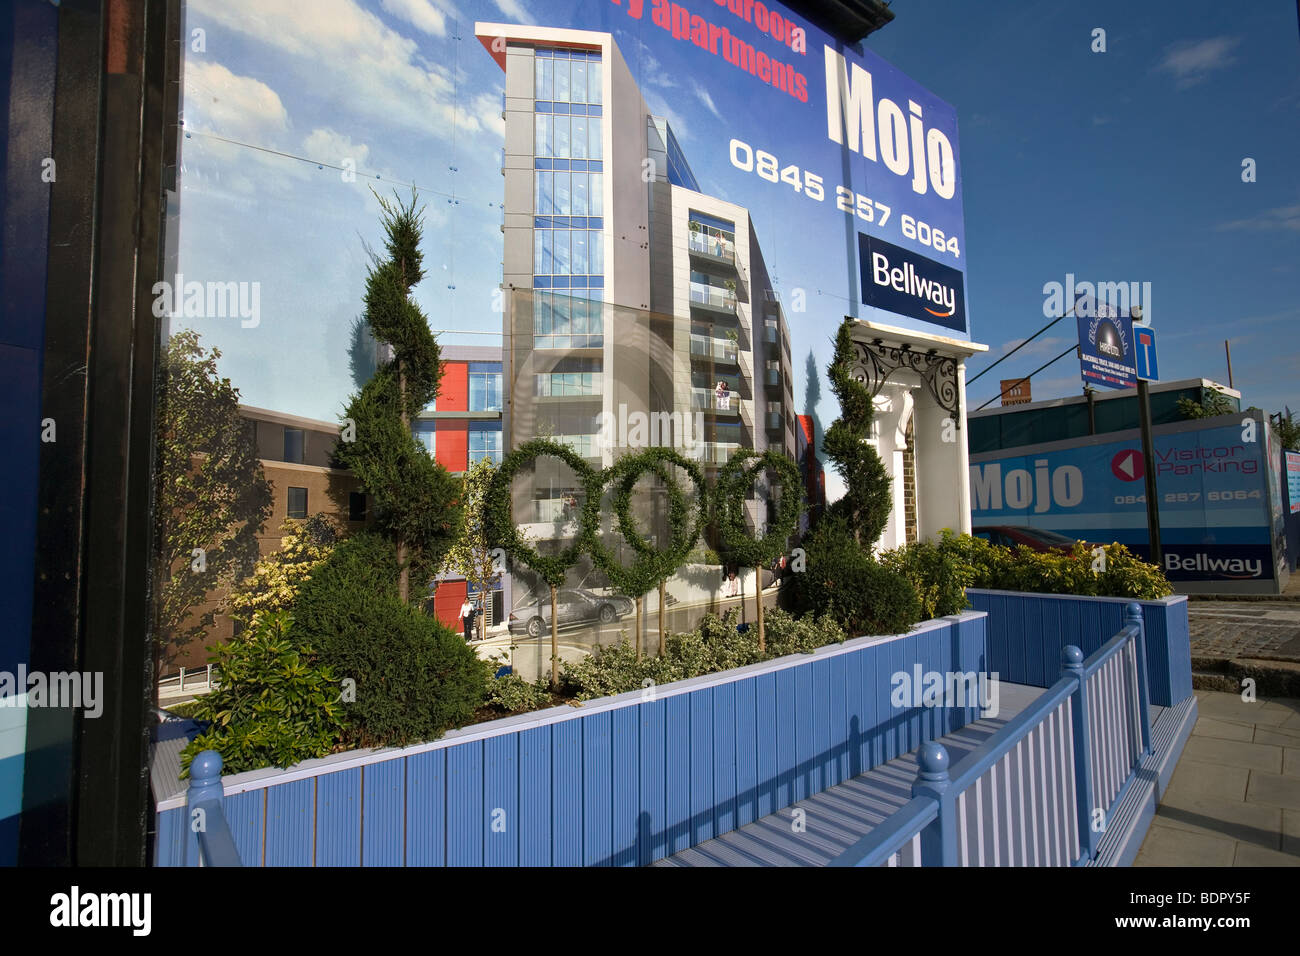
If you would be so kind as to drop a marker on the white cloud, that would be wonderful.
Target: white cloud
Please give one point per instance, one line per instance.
(421, 14)
(659, 107)
(1190, 61)
(703, 95)
(1279, 217)
(349, 57)
(515, 11)
(331, 146)
(236, 107)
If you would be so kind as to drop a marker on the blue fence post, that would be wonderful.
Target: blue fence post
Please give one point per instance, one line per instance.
(1072, 666)
(216, 845)
(1133, 615)
(939, 838)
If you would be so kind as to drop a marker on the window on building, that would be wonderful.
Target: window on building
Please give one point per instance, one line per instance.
(485, 391)
(573, 321)
(294, 442)
(485, 444)
(297, 503)
(356, 506)
(571, 377)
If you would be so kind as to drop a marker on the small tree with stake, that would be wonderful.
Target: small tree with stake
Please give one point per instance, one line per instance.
(416, 499)
(503, 533)
(652, 566)
(741, 545)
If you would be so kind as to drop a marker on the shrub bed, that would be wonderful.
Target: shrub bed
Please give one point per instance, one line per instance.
(940, 572)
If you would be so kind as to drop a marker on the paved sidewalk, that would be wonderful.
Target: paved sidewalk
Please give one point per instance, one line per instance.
(1231, 630)
(1234, 799)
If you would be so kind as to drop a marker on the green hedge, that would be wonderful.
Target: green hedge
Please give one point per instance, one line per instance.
(942, 570)
(715, 645)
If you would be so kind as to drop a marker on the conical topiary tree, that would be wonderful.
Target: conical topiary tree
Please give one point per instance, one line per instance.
(869, 495)
(416, 499)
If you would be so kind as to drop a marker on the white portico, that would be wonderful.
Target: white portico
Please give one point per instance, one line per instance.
(919, 383)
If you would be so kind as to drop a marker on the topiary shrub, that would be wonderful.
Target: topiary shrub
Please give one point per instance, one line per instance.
(935, 574)
(414, 677)
(845, 582)
(514, 695)
(276, 703)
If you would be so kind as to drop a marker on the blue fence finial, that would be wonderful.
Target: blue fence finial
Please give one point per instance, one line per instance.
(1071, 657)
(1132, 613)
(205, 777)
(934, 760)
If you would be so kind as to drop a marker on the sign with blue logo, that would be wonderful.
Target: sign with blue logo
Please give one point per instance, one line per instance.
(1215, 510)
(1105, 344)
(898, 280)
(1145, 352)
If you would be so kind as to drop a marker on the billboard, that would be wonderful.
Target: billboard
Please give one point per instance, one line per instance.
(1106, 346)
(833, 153)
(1216, 508)
(1293, 480)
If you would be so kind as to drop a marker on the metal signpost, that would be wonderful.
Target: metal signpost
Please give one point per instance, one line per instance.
(1147, 370)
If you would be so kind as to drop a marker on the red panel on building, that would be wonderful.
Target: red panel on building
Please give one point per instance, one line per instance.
(447, 602)
(453, 445)
(453, 392)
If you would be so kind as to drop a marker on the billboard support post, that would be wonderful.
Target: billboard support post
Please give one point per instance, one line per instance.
(1090, 394)
(1149, 468)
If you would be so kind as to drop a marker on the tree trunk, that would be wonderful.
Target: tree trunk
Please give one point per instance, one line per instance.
(403, 572)
(758, 594)
(661, 618)
(555, 644)
(638, 629)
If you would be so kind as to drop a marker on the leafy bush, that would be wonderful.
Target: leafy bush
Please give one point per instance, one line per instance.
(515, 695)
(415, 678)
(276, 704)
(277, 577)
(935, 573)
(973, 562)
(715, 645)
(844, 581)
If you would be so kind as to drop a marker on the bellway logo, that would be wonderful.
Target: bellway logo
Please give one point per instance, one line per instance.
(900, 281)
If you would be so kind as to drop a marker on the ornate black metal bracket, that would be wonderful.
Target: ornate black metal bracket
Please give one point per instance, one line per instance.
(876, 362)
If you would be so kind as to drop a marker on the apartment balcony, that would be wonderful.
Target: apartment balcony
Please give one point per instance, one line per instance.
(712, 251)
(718, 453)
(772, 377)
(772, 341)
(711, 299)
(706, 400)
(722, 351)
(775, 422)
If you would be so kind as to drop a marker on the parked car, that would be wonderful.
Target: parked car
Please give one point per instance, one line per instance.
(1040, 539)
(574, 607)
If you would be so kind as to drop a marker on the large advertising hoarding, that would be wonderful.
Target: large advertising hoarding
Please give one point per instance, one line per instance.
(1293, 480)
(1216, 501)
(849, 170)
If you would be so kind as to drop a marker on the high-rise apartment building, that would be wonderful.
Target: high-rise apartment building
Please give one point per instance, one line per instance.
(639, 310)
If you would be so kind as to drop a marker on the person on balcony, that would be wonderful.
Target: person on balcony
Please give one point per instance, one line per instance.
(723, 393)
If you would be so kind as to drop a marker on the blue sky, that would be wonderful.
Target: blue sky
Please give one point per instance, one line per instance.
(1115, 166)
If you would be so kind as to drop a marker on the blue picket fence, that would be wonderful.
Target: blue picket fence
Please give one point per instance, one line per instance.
(1028, 632)
(1039, 792)
(623, 781)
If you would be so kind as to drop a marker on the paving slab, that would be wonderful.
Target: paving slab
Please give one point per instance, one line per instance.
(1222, 706)
(1225, 729)
(1278, 736)
(1168, 846)
(1236, 819)
(1234, 753)
(1291, 761)
(1251, 855)
(1200, 780)
(1291, 831)
(1274, 790)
